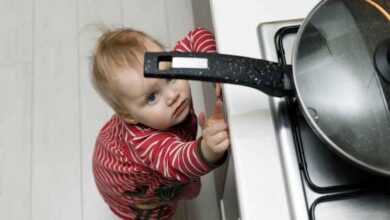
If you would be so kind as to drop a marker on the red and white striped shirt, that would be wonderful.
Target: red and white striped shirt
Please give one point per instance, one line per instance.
(135, 164)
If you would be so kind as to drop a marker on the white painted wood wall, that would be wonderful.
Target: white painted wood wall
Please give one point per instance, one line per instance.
(49, 112)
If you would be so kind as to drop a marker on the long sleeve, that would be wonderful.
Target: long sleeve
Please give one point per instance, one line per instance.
(197, 40)
(165, 153)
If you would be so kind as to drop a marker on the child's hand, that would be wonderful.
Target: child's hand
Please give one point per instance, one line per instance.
(215, 134)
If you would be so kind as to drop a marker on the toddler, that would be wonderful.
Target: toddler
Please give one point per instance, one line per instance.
(146, 156)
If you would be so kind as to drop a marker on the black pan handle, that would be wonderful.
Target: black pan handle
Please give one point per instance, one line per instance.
(271, 78)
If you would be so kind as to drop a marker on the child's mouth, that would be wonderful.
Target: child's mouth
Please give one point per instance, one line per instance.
(180, 108)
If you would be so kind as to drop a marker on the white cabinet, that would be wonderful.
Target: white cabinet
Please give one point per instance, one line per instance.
(228, 202)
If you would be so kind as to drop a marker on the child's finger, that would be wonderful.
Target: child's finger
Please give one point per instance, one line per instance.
(218, 90)
(218, 110)
(202, 119)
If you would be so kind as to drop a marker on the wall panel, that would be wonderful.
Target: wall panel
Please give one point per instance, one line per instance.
(56, 179)
(93, 111)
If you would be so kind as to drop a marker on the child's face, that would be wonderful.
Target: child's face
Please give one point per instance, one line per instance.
(157, 103)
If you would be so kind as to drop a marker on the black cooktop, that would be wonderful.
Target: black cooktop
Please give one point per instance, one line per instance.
(335, 188)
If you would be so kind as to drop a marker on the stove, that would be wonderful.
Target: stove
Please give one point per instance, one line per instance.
(320, 184)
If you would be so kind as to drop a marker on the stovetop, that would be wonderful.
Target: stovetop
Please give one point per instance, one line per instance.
(320, 184)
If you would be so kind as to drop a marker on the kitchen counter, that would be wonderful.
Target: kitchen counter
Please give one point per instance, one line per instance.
(260, 186)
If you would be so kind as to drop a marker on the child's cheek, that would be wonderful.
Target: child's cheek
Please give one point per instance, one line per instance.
(160, 119)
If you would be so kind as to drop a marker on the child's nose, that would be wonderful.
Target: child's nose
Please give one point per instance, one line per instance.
(172, 96)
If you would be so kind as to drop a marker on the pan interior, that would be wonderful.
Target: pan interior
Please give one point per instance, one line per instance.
(343, 97)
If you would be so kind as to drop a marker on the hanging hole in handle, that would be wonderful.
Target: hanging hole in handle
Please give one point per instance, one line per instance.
(167, 62)
(164, 62)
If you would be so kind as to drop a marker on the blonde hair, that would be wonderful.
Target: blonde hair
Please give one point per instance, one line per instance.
(115, 51)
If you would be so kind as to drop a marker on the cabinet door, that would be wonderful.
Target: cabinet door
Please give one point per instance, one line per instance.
(229, 203)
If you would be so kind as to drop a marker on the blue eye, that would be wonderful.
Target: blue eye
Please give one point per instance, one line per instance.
(152, 98)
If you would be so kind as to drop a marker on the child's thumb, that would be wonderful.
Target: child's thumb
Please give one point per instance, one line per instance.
(202, 120)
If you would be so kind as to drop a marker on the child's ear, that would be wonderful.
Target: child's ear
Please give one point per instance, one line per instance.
(127, 117)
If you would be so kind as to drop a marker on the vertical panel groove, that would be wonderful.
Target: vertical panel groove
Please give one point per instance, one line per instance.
(122, 13)
(32, 106)
(168, 26)
(79, 112)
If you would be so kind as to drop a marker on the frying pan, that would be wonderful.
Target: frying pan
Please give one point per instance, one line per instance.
(340, 75)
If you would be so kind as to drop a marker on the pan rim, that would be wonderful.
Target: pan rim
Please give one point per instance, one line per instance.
(315, 127)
